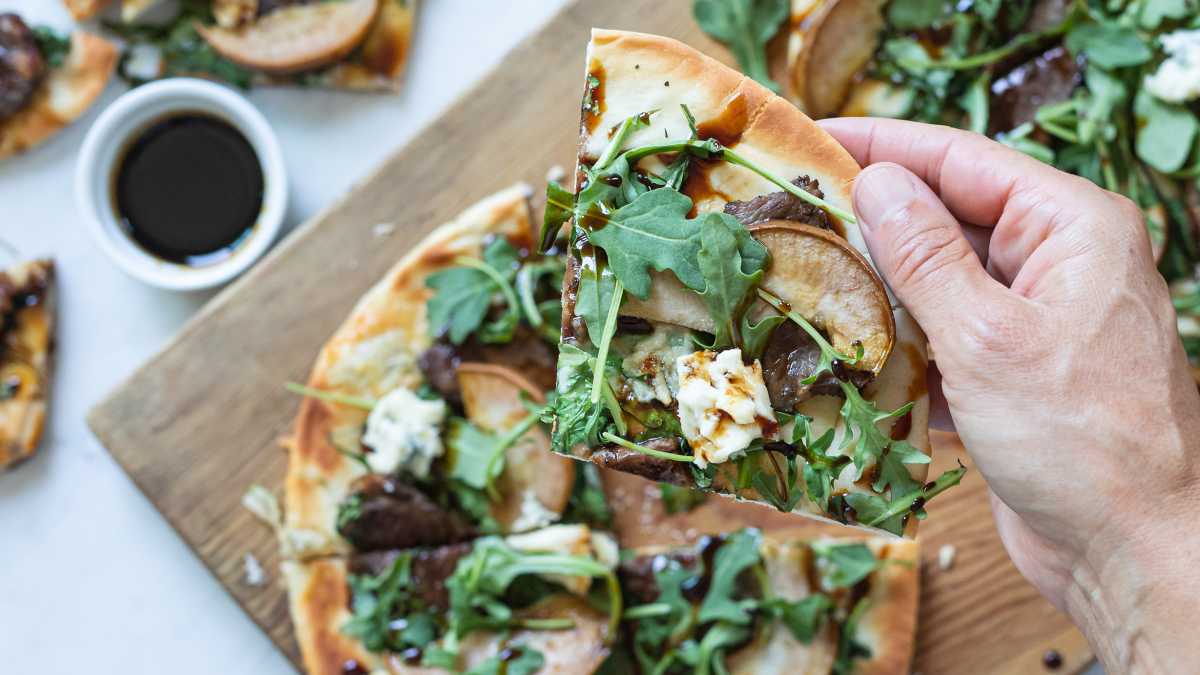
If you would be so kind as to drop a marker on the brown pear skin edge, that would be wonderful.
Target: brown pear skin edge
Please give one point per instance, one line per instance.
(492, 399)
(830, 284)
(838, 43)
(295, 38)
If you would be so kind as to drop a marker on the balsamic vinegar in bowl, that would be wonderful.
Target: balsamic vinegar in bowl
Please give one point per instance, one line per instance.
(188, 189)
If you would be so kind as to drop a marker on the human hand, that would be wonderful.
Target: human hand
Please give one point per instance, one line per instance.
(1060, 367)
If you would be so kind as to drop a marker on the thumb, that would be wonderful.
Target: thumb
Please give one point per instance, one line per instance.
(919, 248)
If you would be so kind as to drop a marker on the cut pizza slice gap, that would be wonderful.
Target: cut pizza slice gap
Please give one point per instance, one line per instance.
(27, 324)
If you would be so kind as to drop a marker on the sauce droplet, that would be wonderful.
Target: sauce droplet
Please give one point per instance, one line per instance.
(1052, 660)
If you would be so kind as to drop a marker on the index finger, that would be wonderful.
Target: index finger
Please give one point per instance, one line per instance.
(974, 176)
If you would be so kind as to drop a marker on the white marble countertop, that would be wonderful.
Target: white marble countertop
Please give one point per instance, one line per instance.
(92, 579)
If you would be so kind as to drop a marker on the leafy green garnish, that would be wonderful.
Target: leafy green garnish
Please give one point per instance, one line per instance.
(576, 419)
(745, 27)
(731, 264)
(1165, 132)
(479, 455)
(1108, 45)
(804, 617)
(844, 565)
(463, 295)
(526, 662)
(862, 428)
(349, 511)
(738, 553)
(359, 402)
(379, 601)
(756, 336)
(849, 647)
(53, 46)
(183, 52)
(875, 511)
(588, 503)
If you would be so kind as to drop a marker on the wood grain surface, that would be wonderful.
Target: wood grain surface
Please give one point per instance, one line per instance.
(202, 420)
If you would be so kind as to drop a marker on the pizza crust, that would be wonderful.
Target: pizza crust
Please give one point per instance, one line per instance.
(374, 351)
(638, 73)
(85, 9)
(29, 333)
(66, 93)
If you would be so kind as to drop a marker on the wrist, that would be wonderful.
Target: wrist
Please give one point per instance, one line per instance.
(1136, 591)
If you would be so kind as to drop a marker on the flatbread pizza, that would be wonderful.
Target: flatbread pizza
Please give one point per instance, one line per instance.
(723, 326)
(46, 81)
(359, 45)
(27, 305)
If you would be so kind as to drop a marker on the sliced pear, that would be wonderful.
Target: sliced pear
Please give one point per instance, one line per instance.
(832, 285)
(295, 38)
(839, 41)
(817, 273)
(492, 400)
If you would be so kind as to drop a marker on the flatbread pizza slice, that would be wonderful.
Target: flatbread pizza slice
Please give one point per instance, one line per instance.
(48, 82)
(359, 45)
(723, 325)
(520, 601)
(417, 428)
(763, 604)
(27, 305)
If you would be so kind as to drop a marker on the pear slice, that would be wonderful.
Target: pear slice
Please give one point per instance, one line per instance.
(295, 38)
(817, 273)
(492, 399)
(838, 42)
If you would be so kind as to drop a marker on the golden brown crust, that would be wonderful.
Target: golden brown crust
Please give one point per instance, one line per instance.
(27, 306)
(375, 351)
(638, 73)
(889, 625)
(85, 9)
(319, 597)
(66, 93)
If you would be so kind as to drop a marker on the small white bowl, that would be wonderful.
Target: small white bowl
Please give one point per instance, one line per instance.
(127, 117)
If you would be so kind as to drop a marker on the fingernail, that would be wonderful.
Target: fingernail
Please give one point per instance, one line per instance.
(879, 189)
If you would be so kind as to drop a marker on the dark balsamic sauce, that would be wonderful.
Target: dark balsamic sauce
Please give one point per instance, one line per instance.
(189, 189)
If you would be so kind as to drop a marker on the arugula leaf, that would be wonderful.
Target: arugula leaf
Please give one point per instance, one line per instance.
(576, 419)
(709, 655)
(974, 102)
(745, 27)
(862, 430)
(676, 499)
(804, 617)
(730, 276)
(756, 336)
(349, 511)
(739, 551)
(892, 473)
(588, 503)
(875, 511)
(596, 287)
(53, 46)
(1165, 132)
(463, 295)
(1108, 44)
(849, 648)
(470, 449)
(378, 601)
(183, 52)
(913, 14)
(1154, 12)
(559, 208)
(844, 565)
(652, 232)
(526, 662)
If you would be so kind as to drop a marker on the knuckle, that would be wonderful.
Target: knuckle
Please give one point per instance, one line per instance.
(921, 252)
(989, 329)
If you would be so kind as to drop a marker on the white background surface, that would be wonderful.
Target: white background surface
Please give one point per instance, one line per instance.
(92, 579)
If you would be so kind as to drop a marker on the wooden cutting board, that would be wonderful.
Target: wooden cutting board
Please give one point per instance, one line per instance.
(201, 422)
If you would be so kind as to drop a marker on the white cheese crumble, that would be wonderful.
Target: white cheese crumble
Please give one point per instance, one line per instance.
(301, 543)
(404, 431)
(253, 571)
(723, 404)
(533, 514)
(262, 503)
(647, 365)
(1178, 78)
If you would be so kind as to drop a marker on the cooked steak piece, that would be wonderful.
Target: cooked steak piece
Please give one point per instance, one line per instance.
(782, 206)
(21, 64)
(791, 357)
(430, 569)
(652, 468)
(527, 354)
(393, 515)
(1049, 77)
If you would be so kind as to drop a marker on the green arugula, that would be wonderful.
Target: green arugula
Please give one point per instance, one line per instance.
(575, 418)
(52, 45)
(739, 552)
(849, 647)
(1165, 132)
(463, 295)
(349, 511)
(914, 14)
(588, 503)
(652, 232)
(526, 662)
(482, 578)
(731, 263)
(479, 455)
(844, 565)
(1108, 45)
(183, 52)
(378, 601)
(891, 515)
(804, 617)
(756, 336)
(745, 27)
